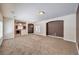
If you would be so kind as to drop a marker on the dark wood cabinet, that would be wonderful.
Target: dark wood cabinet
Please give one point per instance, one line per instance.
(55, 28)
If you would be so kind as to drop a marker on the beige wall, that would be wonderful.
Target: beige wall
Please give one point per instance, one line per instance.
(1, 29)
(40, 28)
(1, 26)
(69, 27)
(8, 21)
(8, 28)
(7, 9)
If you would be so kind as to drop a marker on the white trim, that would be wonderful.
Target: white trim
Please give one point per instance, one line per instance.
(61, 38)
(39, 34)
(69, 40)
(55, 36)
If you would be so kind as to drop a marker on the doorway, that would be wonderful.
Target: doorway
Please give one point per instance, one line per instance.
(30, 28)
(19, 28)
(55, 28)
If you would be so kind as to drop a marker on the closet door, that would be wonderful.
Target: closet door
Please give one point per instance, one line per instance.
(60, 28)
(55, 28)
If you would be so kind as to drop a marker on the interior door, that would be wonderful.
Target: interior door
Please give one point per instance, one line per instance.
(55, 28)
(30, 28)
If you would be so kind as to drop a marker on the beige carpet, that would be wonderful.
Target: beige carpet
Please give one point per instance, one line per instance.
(37, 45)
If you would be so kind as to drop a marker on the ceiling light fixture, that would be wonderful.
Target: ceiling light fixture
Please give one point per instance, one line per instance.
(41, 12)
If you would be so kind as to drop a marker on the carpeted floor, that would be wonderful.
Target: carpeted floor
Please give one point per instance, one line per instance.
(37, 45)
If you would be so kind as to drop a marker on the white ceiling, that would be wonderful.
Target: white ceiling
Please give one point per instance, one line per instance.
(29, 11)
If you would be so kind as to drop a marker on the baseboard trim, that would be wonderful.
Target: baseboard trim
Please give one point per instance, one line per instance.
(39, 34)
(69, 40)
(55, 36)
